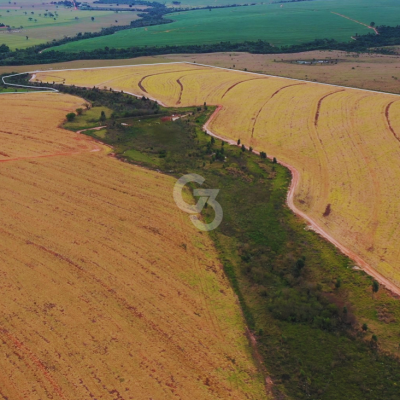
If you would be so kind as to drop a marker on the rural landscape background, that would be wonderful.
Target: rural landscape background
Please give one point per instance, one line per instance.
(290, 109)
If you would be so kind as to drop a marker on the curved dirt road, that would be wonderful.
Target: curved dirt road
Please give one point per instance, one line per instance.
(312, 224)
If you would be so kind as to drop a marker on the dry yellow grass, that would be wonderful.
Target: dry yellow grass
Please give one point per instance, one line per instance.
(107, 289)
(344, 142)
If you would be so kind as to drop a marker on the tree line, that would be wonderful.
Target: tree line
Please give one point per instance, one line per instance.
(388, 36)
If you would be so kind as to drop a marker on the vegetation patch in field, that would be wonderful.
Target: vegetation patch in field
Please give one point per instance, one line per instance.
(310, 135)
(314, 316)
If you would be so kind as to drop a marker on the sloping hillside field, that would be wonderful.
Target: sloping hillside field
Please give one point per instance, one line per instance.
(343, 142)
(107, 290)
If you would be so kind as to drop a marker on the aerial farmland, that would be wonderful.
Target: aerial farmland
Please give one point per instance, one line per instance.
(88, 295)
(199, 200)
(327, 134)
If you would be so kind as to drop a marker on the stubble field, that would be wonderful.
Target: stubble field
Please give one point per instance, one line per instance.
(344, 142)
(108, 291)
(366, 71)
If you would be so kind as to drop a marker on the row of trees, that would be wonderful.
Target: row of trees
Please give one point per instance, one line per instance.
(388, 36)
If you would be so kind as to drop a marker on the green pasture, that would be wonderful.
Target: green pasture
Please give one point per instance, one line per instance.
(279, 24)
(32, 22)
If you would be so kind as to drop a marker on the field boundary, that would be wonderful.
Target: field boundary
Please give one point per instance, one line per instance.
(294, 182)
(213, 66)
(357, 22)
(183, 62)
(46, 89)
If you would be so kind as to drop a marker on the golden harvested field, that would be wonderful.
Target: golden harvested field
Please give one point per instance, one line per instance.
(366, 71)
(107, 289)
(344, 142)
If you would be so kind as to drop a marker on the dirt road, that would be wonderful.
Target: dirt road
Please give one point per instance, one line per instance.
(312, 224)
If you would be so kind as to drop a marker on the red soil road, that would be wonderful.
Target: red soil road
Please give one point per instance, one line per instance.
(312, 224)
(143, 89)
(358, 22)
(181, 92)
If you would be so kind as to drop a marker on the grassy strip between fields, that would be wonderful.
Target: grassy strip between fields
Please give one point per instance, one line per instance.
(321, 331)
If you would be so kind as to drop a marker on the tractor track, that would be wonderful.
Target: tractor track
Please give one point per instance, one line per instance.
(261, 108)
(319, 105)
(238, 83)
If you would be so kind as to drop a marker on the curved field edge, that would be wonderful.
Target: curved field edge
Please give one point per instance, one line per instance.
(313, 225)
(259, 242)
(103, 275)
(181, 97)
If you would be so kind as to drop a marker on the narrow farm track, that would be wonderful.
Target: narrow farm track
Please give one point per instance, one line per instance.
(320, 103)
(141, 82)
(238, 83)
(262, 107)
(357, 22)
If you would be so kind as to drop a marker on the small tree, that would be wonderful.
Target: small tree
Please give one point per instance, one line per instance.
(372, 24)
(243, 148)
(300, 264)
(103, 116)
(92, 18)
(364, 327)
(263, 154)
(238, 142)
(274, 160)
(338, 283)
(250, 149)
(71, 116)
(79, 111)
(375, 287)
